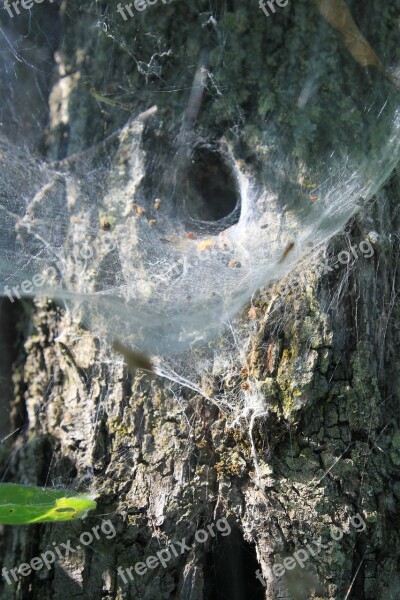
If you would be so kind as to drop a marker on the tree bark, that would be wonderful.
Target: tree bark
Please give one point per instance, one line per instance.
(165, 465)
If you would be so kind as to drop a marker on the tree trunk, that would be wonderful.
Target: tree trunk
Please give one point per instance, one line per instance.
(320, 456)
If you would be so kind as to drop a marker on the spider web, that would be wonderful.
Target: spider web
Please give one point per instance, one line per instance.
(161, 232)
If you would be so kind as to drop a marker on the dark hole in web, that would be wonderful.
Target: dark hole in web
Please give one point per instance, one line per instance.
(230, 570)
(211, 191)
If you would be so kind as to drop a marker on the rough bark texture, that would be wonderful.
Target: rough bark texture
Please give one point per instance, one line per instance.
(165, 466)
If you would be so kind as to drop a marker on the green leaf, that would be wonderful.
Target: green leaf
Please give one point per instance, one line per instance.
(24, 504)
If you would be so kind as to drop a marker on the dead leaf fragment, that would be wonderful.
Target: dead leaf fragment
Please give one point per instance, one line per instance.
(252, 314)
(338, 15)
(234, 264)
(204, 245)
(134, 360)
(286, 252)
(138, 210)
(105, 225)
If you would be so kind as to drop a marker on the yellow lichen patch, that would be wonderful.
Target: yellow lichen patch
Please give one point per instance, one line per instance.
(231, 463)
(116, 425)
